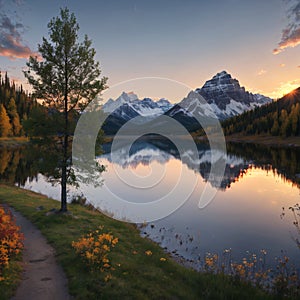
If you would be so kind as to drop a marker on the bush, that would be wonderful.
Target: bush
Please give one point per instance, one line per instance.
(11, 240)
(94, 247)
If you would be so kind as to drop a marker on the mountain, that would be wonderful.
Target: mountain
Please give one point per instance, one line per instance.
(145, 107)
(112, 105)
(279, 118)
(222, 96)
(127, 106)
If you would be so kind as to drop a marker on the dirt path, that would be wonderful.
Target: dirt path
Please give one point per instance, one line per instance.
(43, 278)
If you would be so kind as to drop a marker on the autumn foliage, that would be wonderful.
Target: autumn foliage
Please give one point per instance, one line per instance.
(10, 240)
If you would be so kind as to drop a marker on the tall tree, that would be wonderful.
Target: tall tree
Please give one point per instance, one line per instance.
(5, 126)
(14, 117)
(66, 78)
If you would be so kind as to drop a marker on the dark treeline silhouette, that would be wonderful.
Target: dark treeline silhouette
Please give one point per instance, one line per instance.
(15, 106)
(17, 164)
(279, 118)
(286, 161)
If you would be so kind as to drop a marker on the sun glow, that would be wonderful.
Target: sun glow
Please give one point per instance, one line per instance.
(285, 88)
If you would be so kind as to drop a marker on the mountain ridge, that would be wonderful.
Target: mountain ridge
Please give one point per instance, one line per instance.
(220, 97)
(224, 98)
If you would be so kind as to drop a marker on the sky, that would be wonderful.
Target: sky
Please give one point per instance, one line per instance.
(186, 41)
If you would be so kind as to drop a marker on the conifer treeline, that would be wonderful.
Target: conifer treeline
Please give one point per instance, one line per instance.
(279, 118)
(15, 105)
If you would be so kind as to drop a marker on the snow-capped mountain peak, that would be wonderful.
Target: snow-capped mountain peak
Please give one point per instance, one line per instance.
(221, 96)
(111, 105)
(144, 107)
(128, 106)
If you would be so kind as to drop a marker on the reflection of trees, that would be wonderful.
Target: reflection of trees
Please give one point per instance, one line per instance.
(10, 163)
(17, 164)
(286, 161)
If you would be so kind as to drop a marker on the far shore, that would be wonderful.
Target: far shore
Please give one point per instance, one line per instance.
(267, 140)
(13, 141)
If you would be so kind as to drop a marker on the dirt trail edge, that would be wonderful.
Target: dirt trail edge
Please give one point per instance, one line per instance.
(43, 278)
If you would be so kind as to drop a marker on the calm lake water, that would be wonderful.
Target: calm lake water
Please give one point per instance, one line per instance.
(249, 213)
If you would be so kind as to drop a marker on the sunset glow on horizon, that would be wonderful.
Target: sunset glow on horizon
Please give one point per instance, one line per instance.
(257, 42)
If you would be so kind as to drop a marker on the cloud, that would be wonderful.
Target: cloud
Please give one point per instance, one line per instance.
(261, 72)
(282, 65)
(291, 34)
(11, 42)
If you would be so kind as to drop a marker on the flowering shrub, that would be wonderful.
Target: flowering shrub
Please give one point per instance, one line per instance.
(10, 240)
(94, 247)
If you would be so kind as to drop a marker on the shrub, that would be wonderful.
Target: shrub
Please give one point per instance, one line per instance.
(11, 240)
(94, 247)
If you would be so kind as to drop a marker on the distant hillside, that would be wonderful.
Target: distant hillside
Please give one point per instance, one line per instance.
(279, 118)
(15, 106)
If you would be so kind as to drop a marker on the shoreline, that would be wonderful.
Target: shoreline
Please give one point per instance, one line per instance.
(266, 140)
(140, 265)
(13, 141)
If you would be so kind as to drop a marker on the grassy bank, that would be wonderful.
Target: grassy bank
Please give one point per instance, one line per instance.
(13, 277)
(136, 274)
(293, 141)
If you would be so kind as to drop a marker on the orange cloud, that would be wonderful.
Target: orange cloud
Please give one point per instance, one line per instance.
(13, 48)
(11, 43)
(282, 65)
(291, 34)
(290, 39)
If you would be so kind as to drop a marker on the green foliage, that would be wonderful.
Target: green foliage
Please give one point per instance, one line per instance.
(67, 68)
(17, 104)
(280, 118)
(66, 79)
(5, 126)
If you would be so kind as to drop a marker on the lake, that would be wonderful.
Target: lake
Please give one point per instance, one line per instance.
(249, 213)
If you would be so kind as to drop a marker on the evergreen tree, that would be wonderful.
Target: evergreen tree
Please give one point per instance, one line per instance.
(67, 79)
(14, 117)
(5, 126)
(277, 118)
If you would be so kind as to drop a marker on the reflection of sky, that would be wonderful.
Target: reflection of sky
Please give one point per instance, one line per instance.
(242, 218)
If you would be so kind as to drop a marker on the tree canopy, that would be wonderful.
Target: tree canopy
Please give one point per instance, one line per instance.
(65, 77)
(17, 104)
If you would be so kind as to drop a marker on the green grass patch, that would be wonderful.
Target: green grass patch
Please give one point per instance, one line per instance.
(136, 275)
(13, 277)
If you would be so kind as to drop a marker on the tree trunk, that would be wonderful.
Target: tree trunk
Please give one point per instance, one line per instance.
(64, 176)
(65, 146)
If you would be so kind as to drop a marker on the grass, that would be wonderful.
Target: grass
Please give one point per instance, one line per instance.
(136, 275)
(13, 275)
